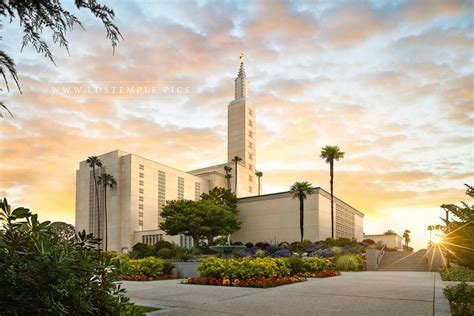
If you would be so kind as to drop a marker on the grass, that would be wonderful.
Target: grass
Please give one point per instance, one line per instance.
(139, 310)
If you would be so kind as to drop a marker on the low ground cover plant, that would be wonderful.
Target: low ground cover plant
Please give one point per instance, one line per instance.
(258, 282)
(351, 262)
(461, 299)
(457, 274)
(323, 249)
(260, 272)
(146, 269)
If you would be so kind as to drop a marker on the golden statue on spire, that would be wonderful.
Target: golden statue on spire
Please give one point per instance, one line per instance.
(241, 58)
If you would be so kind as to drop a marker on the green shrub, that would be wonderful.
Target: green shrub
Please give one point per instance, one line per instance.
(162, 244)
(165, 253)
(167, 267)
(149, 266)
(296, 264)
(43, 274)
(244, 268)
(350, 263)
(315, 264)
(461, 299)
(457, 274)
(141, 250)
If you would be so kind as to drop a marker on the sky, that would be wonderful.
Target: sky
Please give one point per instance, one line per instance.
(390, 82)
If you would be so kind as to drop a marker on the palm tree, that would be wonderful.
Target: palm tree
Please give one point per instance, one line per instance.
(430, 229)
(406, 236)
(236, 160)
(94, 162)
(228, 175)
(438, 227)
(331, 153)
(259, 174)
(299, 191)
(106, 180)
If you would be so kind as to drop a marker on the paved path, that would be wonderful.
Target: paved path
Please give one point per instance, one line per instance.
(352, 293)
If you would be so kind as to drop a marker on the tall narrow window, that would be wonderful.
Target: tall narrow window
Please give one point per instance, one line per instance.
(180, 188)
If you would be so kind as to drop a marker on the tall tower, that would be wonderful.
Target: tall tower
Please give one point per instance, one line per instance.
(241, 135)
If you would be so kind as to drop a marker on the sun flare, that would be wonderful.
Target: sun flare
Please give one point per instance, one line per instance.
(437, 239)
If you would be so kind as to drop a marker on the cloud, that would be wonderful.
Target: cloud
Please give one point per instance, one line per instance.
(391, 84)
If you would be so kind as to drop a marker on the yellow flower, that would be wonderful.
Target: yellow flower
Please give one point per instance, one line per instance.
(225, 281)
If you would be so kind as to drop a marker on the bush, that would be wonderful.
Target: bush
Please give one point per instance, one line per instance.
(163, 244)
(350, 263)
(141, 250)
(149, 266)
(249, 245)
(457, 274)
(369, 241)
(165, 253)
(461, 299)
(167, 267)
(244, 268)
(323, 253)
(262, 245)
(43, 274)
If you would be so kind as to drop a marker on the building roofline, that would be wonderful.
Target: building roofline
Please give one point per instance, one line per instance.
(257, 197)
(382, 235)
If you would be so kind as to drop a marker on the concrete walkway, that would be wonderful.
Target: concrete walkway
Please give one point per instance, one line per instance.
(352, 293)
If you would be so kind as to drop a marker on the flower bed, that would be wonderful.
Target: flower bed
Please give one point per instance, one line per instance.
(320, 274)
(146, 269)
(260, 272)
(144, 277)
(257, 282)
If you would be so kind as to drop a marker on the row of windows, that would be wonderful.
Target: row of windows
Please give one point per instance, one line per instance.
(161, 194)
(152, 239)
(197, 190)
(180, 188)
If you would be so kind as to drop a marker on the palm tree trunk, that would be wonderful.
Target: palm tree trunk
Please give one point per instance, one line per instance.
(105, 217)
(235, 188)
(301, 217)
(258, 185)
(97, 200)
(228, 183)
(331, 174)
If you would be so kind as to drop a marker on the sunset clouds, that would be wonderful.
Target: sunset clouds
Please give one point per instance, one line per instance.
(390, 82)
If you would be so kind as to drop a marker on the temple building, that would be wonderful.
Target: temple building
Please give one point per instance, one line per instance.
(143, 187)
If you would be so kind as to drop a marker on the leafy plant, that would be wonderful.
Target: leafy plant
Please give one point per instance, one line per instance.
(457, 274)
(458, 243)
(461, 299)
(350, 263)
(150, 266)
(43, 274)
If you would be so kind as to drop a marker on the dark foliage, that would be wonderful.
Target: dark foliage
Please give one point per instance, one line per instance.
(43, 274)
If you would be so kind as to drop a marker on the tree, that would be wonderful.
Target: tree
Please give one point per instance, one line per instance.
(201, 219)
(458, 240)
(228, 175)
(406, 236)
(390, 232)
(259, 174)
(94, 162)
(107, 181)
(236, 160)
(222, 197)
(300, 190)
(331, 153)
(49, 17)
(63, 230)
(43, 274)
(430, 228)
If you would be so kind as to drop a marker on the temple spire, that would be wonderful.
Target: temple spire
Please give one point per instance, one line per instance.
(241, 82)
